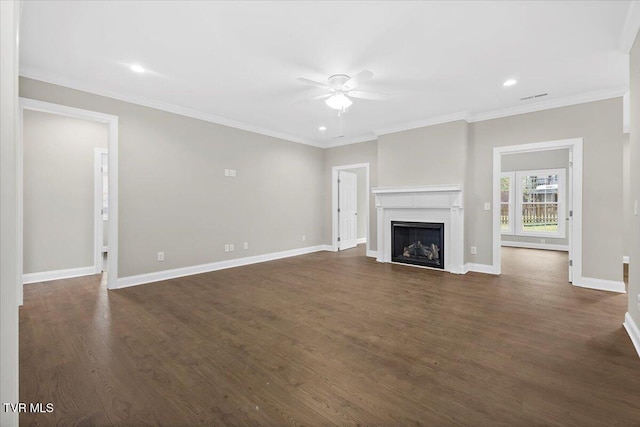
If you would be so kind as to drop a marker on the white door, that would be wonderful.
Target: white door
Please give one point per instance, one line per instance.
(347, 210)
(569, 211)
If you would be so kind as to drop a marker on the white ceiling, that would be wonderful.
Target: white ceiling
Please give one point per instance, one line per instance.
(237, 62)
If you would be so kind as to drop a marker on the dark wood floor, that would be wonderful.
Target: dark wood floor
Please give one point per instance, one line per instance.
(332, 339)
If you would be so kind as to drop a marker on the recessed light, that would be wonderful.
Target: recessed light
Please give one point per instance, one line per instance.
(509, 82)
(137, 68)
(322, 128)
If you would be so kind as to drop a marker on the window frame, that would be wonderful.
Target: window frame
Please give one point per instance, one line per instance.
(512, 179)
(561, 233)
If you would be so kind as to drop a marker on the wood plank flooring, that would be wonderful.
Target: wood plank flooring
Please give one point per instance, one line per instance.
(332, 339)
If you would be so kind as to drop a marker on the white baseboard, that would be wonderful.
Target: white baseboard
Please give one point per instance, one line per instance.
(545, 246)
(361, 240)
(625, 259)
(68, 273)
(372, 254)
(479, 268)
(633, 331)
(140, 279)
(600, 284)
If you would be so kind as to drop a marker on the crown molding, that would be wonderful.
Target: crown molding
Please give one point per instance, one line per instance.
(164, 106)
(630, 27)
(550, 104)
(353, 140)
(423, 123)
(370, 136)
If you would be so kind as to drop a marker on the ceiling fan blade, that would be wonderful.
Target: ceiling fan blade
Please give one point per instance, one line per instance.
(354, 81)
(362, 94)
(314, 83)
(326, 95)
(315, 98)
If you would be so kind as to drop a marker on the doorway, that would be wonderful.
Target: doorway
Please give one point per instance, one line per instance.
(112, 147)
(101, 209)
(570, 219)
(350, 206)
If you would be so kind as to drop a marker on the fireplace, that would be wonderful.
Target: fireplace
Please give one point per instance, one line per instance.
(418, 243)
(431, 204)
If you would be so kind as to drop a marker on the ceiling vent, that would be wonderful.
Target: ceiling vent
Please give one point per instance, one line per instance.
(533, 96)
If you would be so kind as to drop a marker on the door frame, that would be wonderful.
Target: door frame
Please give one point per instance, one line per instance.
(575, 146)
(98, 226)
(112, 147)
(334, 202)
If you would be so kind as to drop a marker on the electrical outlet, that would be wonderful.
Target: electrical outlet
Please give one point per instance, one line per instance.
(160, 256)
(230, 247)
(232, 172)
(226, 172)
(245, 245)
(226, 248)
(487, 206)
(474, 250)
(304, 237)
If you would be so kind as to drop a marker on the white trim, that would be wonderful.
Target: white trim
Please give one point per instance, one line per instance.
(372, 254)
(532, 245)
(626, 113)
(630, 28)
(625, 259)
(420, 189)
(633, 331)
(511, 202)
(478, 268)
(600, 284)
(164, 106)
(98, 226)
(550, 104)
(423, 123)
(334, 202)
(506, 112)
(361, 240)
(112, 144)
(575, 145)
(352, 140)
(46, 276)
(140, 279)
(466, 116)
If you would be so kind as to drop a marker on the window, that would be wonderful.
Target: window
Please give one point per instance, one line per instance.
(538, 208)
(506, 202)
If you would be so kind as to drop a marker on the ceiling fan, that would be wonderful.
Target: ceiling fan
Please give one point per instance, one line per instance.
(341, 87)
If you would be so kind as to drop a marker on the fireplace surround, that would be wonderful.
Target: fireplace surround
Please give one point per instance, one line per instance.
(440, 204)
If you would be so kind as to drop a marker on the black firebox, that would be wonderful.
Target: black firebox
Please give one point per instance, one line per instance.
(419, 243)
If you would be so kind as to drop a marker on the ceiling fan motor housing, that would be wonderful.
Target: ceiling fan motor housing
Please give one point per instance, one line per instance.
(338, 80)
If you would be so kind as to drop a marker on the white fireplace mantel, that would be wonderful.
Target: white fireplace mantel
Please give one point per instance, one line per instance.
(436, 203)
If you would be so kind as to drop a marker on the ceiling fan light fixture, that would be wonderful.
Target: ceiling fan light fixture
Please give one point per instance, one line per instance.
(339, 102)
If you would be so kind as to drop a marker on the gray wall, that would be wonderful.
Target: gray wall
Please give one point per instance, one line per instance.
(634, 188)
(363, 152)
(59, 190)
(175, 198)
(600, 125)
(552, 159)
(425, 156)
